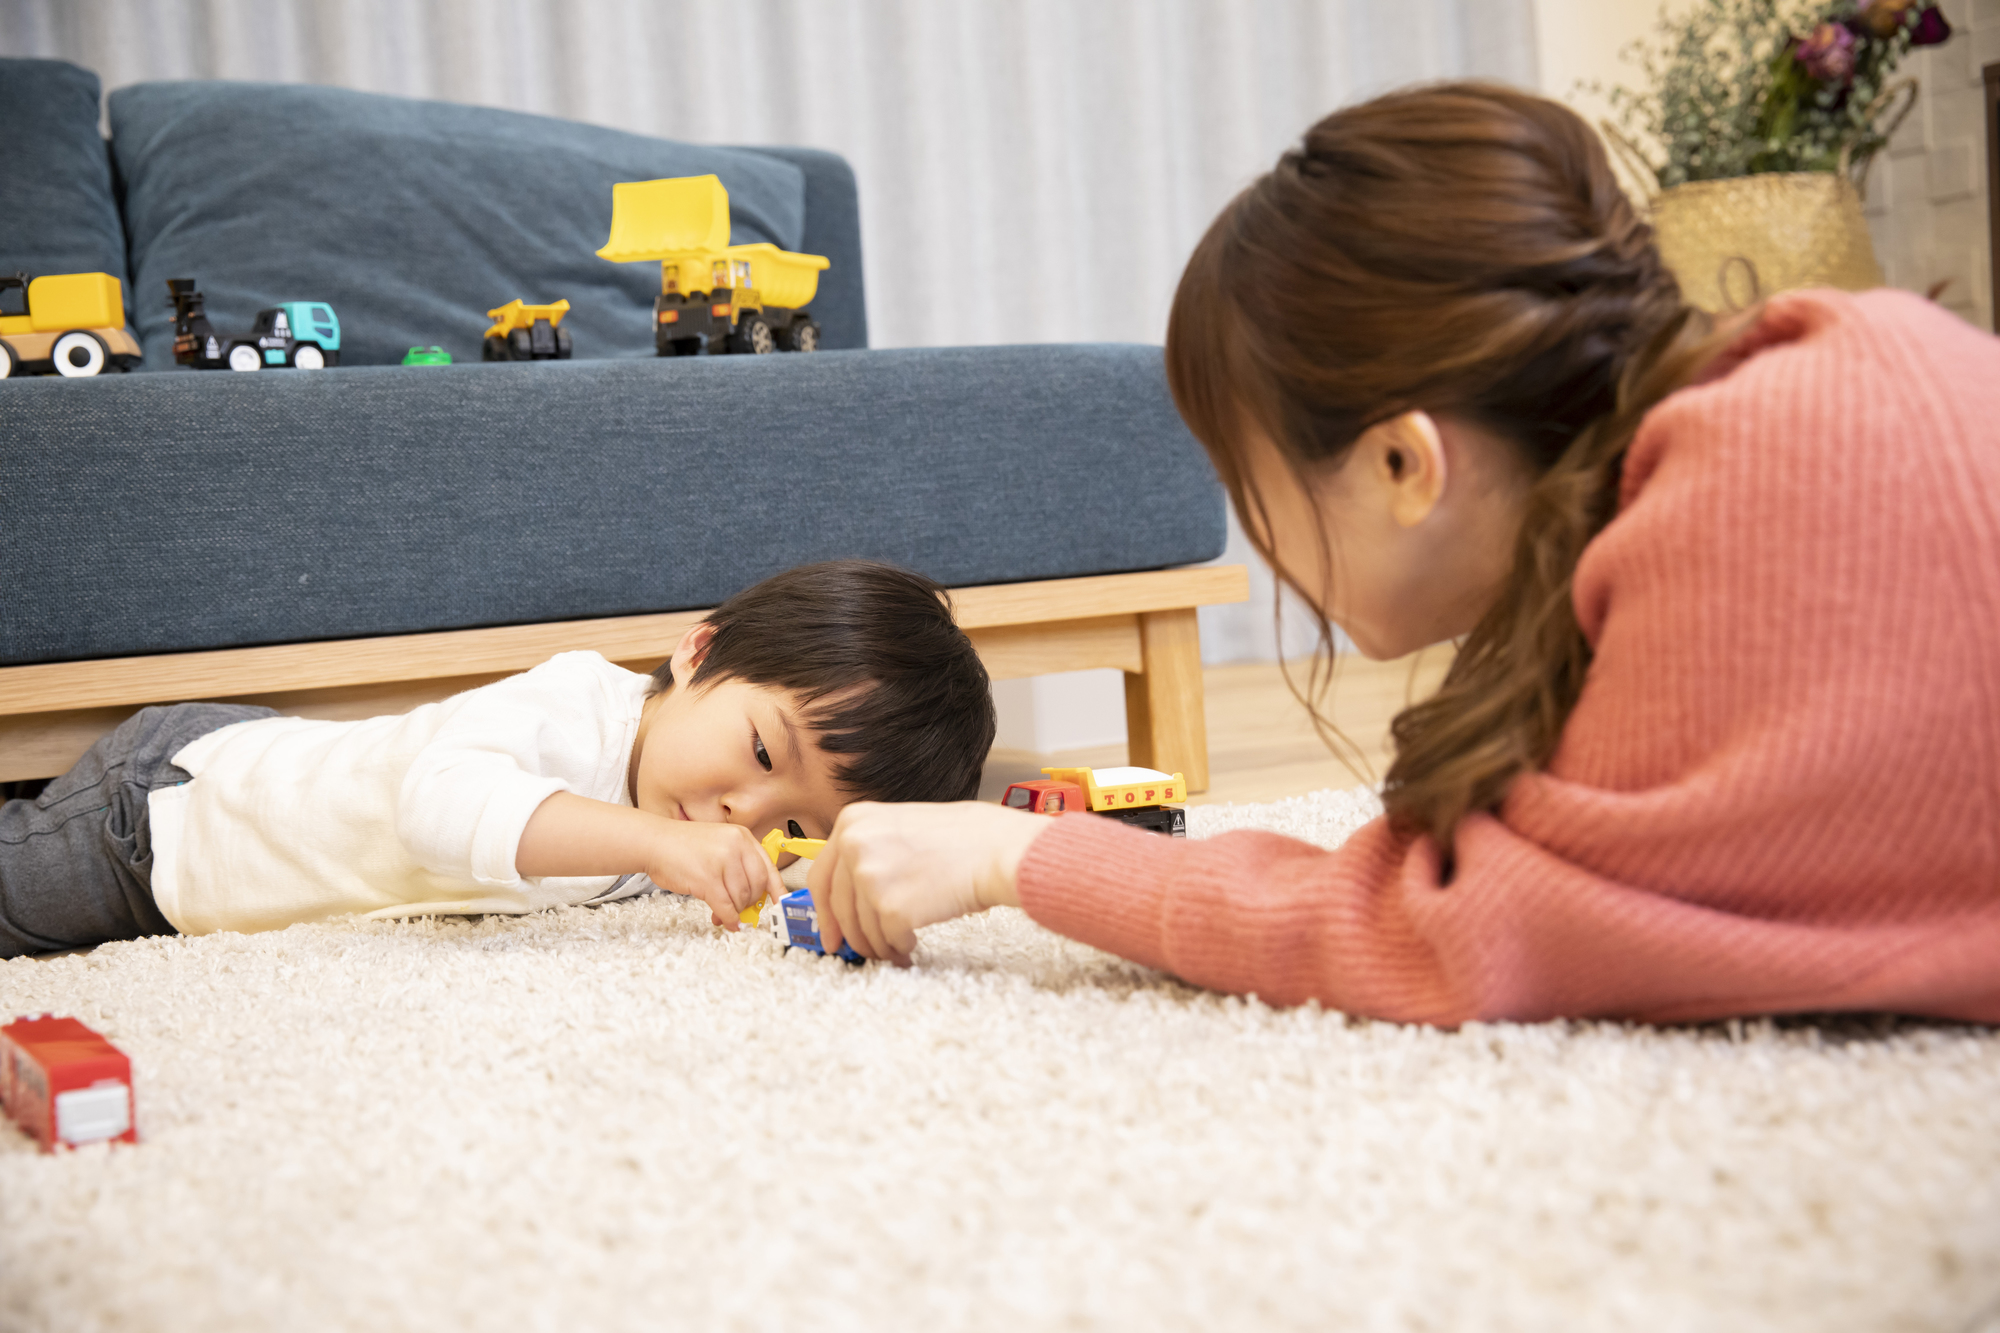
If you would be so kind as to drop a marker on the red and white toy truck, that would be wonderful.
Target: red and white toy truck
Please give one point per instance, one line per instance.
(65, 1085)
(1141, 797)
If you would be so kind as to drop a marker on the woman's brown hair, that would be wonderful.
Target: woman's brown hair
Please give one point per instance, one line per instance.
(1464, 249)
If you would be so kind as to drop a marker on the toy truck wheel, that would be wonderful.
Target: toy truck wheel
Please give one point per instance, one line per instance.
(245, 356)
(309, 357)
(494, 349)
(79, 354)
(563, 345)
(8, 364)
(802, 336)
(520, 345)
(753, 336)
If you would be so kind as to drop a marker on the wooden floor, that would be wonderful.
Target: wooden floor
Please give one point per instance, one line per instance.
(1261, 741)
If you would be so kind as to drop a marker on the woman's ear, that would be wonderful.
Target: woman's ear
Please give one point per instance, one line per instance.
(690, 651)
(1411, 464)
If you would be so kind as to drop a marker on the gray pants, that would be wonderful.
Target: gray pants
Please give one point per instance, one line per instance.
(76, 862)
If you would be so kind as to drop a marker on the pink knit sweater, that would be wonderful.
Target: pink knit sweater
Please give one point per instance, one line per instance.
(1780, 790)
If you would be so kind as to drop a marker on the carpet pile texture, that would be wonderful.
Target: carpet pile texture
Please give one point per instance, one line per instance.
(623, 1119)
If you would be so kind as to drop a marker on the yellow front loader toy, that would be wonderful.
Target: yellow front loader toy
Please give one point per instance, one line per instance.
(714, 296)
(71, 323)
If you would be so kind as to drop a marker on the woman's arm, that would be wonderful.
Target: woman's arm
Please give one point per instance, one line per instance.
(1520, 933)
(1245, 912)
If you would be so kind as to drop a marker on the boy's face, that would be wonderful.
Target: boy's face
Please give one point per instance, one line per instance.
(730, 752)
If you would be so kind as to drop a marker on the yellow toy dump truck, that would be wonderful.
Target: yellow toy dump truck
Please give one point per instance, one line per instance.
(523, 332)
(1138, 796)
(714, 296)
(69, 323)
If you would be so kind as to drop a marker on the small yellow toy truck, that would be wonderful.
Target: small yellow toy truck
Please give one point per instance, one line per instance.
(523, 332)
(714, 296)
(69, 323)
(1137, 796)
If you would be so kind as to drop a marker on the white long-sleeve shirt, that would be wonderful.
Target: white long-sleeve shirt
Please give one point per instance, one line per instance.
(289, 819)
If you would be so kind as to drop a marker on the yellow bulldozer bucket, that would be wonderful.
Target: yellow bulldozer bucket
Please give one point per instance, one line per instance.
(654, 219)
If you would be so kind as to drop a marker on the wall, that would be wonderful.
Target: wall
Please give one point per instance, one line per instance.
(1927, 201)
(1578, 42)
(1926, 196)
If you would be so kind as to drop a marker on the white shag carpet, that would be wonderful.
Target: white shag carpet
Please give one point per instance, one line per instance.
(621, 1119)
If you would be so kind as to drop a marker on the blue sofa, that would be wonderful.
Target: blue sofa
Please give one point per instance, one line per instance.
(171, 511)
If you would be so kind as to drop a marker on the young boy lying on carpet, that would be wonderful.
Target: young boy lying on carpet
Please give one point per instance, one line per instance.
(1723, 732)
(576, 782)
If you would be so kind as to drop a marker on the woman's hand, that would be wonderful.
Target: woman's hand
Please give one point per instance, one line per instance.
(889, 869)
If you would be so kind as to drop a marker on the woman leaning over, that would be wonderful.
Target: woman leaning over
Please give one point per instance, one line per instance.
(1723, 732)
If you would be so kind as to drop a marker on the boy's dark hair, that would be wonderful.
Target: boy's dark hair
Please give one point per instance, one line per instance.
(919, 727)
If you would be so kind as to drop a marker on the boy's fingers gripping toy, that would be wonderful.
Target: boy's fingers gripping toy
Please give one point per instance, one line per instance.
(64, 1084)
(792, 919)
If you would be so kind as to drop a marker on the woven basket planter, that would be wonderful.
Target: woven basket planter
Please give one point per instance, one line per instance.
(1732, 242)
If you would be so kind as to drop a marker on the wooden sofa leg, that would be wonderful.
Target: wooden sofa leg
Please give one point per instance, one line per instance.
(1166, 726)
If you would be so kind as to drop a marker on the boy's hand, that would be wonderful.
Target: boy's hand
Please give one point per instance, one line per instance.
(721, 864)
(889, 869)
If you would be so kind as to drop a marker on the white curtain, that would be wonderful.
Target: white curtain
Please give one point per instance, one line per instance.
(1030, 170)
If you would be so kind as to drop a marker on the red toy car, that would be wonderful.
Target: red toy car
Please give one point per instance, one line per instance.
(65, 1085)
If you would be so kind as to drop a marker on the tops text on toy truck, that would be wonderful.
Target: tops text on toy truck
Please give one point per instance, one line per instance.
(1141, 797)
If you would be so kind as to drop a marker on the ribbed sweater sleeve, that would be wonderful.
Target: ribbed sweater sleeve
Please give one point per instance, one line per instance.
(1779, 789)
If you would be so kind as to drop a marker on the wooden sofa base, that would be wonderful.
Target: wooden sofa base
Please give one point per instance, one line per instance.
(1142, 624)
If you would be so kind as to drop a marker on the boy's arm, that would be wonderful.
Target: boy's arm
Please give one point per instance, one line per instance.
(721, 864)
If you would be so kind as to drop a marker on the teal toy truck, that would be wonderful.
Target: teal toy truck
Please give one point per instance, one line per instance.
(305, 334)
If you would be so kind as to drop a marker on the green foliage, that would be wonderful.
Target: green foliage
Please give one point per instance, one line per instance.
(1727, 94)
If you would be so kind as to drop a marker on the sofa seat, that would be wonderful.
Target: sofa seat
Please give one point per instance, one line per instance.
(172, 512)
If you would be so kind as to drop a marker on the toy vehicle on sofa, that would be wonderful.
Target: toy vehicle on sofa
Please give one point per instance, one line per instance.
(523, 332)
(304, 334)
(301, 334)
(70, 323)
(1136, 796)
(714, 296)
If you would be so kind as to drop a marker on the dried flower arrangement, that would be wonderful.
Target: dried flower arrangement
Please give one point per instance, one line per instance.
(1746, 87)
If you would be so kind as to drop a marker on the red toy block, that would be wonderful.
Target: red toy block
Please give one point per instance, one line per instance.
(64, 1084)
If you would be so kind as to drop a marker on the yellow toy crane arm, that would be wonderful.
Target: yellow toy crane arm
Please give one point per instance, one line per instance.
(775, 842)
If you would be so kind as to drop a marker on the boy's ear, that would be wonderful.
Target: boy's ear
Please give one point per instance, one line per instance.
(690, 651)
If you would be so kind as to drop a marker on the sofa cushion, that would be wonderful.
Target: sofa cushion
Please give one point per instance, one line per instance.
(151, 513)
(412, 219)
(57, 210)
